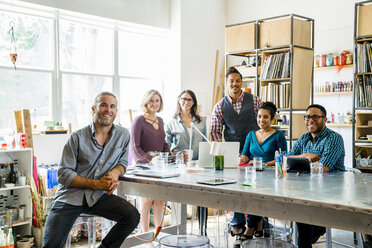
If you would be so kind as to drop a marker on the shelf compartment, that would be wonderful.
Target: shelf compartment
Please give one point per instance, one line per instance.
(364, 20)
(240, 37)
(277, 32)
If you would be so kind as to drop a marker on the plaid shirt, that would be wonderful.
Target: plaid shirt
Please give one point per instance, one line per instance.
(217, 118)
(328, 144)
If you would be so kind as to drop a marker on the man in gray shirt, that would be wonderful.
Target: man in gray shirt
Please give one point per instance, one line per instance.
(92, 160)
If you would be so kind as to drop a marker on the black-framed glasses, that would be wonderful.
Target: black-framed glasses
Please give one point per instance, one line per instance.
(186, 99)
(314, 117)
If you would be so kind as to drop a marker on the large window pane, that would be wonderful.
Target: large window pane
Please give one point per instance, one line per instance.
(140, 55)
(131, 95)
(24, 90)
(78, 94)
(86, 48)
(34, 40)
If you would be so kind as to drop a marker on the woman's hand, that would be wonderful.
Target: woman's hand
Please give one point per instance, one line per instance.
(243, 159)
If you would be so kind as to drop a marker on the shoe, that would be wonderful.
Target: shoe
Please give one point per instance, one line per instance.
(237, 230)
(245, 237)
(259, 234)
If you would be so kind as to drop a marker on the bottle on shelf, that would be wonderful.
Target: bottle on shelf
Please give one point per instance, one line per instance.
(10, 238)
(2, 238)
(12, 175)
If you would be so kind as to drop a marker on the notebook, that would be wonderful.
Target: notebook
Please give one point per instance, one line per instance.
(156, 174)
(231, 154)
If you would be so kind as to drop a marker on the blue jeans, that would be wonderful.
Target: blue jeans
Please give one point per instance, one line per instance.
(252, 220)
(62, 217)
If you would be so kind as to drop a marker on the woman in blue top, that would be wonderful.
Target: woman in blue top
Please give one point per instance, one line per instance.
(260, 143)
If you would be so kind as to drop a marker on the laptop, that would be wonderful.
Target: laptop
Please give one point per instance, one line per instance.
(298, 165)
(156, 174)
(231, 154)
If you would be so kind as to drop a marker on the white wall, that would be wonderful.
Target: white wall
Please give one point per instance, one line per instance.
(334, 25)
(202, 33)
(147, 12)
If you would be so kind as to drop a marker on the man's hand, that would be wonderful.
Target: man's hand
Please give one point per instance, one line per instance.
(311, 157)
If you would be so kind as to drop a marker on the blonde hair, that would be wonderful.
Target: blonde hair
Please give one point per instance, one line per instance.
(147, 97)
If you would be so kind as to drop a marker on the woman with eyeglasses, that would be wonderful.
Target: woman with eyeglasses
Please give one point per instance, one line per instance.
(147, 139)
(260, 143)
(179, 133)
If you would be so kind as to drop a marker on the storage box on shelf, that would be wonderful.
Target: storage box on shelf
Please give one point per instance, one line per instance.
(21, 225)
(280, 62)
(362, 104)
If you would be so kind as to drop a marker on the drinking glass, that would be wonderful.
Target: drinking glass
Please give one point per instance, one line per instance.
(257, 163)
(179, 159)
(250, 174)
(218, 162)
(316, 169)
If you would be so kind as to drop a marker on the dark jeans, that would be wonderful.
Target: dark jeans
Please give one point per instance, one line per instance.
(308, 234)
(202, 213)
(62, 217)
(252, 220)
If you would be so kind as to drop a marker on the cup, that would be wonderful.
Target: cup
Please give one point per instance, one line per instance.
(22, 180)
(188, 157)
(179, 159)
(250, 173)
(164, 156)
(257, 163)
(316, 169)
(218, 162)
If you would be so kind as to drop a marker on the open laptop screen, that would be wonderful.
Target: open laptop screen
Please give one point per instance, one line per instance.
(231, 151)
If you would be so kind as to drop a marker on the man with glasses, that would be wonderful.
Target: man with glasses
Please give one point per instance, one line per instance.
(237, 113)
(323, 145)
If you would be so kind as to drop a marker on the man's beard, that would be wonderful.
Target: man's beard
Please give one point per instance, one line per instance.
(96, 118)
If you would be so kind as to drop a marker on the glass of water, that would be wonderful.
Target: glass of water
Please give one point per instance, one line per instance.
(250, 174)
(257, 163)
(179, 159)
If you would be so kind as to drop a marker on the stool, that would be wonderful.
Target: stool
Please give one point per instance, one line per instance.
(184, 241)
(90, 221)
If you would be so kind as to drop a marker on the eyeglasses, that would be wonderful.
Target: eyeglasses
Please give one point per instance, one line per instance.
(186, 99)
(314, 117)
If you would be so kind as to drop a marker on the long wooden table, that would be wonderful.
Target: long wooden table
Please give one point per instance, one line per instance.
(341, 200)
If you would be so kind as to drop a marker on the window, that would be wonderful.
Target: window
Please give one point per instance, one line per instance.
(63, 90)
(24, 90)
(85, 48)
(34, 41)
(78, 95)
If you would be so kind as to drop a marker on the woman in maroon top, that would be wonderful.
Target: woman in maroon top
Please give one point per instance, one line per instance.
(147, 138)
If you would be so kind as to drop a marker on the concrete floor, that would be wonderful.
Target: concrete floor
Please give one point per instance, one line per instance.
(217, 228)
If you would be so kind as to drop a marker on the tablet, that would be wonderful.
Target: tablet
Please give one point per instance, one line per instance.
(298, 165)
(218, 181)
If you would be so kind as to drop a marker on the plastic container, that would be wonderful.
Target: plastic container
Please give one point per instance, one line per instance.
(184, 241)
(329, 60)
(322, 60)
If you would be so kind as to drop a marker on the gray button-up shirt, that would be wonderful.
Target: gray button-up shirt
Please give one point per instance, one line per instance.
(178, 137)
(83, 156)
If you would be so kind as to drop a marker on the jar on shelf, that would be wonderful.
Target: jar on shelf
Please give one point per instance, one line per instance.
(316, 61)
(335, 60)
(342, 59)
(329, 59)
(322, 60)
(349, 59)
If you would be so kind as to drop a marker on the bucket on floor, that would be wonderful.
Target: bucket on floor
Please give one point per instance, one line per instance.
(266, 243)
(184, 241)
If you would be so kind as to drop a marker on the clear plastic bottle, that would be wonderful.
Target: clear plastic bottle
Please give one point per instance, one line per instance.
(2, 238)
(10, 238)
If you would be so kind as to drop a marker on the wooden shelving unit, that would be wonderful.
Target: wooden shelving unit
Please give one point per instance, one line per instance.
(293, 34)
(333, 67)
(333, 93)
(362, 107)
(338, 125)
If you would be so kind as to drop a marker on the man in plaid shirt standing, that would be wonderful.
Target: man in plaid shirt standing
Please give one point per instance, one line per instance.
(237, 113)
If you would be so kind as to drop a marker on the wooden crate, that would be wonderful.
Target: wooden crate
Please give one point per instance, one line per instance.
(277, 32)
(302, 77)
(298, 125)
(364, 20)
(362, 129)
(240, 37)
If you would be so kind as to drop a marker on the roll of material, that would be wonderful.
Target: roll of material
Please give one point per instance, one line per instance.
(23, 244)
